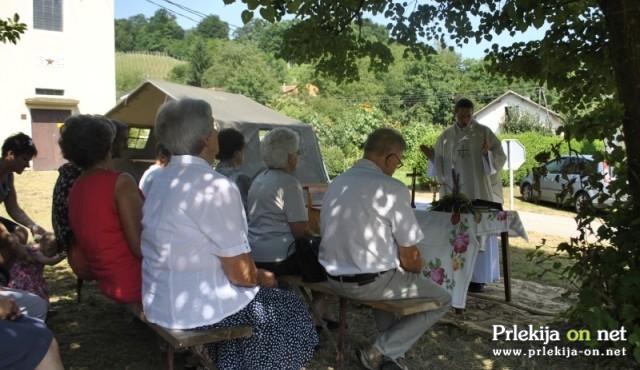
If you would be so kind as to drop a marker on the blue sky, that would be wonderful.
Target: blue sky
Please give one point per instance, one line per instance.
(231, 15)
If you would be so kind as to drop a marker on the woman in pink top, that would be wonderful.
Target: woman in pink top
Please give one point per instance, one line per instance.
(105, 208)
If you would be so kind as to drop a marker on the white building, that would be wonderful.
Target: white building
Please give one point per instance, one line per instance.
(495, 112)
(63, 64)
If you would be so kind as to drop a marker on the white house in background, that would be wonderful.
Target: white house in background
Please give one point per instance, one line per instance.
(63, 64)
(495, 112)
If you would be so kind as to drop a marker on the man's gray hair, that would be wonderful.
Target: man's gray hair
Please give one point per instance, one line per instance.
(182, 125)
(277, 145)
(383, 141)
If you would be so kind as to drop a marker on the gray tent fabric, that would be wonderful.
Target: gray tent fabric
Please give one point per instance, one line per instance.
(254, 120)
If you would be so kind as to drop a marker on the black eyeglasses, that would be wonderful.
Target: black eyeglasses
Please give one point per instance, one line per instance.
(400, 164)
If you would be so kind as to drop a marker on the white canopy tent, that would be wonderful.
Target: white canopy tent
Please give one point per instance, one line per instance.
(138, 110)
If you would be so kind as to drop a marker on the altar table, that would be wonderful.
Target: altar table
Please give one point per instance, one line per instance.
(452, 243)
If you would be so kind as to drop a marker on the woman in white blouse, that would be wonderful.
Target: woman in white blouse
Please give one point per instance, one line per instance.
(197, 267)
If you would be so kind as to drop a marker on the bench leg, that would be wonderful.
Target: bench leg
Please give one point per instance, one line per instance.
(170, 352)
(318, 316)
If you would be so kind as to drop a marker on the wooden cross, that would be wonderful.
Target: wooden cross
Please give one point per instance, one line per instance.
(413, 174)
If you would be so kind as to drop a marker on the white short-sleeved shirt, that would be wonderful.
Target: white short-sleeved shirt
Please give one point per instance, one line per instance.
(192, 216)
(147, 178)
(365, 216)
(275, 199)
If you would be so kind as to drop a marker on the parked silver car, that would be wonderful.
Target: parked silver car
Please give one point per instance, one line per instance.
(560, 172)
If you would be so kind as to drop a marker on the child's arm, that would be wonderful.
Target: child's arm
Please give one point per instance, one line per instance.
(41, 258)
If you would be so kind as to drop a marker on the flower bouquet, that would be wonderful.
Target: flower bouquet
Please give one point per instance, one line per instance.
(454, 202)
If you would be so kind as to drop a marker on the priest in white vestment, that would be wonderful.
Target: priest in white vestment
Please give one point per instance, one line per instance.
(476, 154)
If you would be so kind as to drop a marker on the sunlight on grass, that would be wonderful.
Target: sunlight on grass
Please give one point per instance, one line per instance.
(523, 269)
(34, 190)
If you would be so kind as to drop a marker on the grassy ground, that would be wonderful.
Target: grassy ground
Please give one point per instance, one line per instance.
(99, 334)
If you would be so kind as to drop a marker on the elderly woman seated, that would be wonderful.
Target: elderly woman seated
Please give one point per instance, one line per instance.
(231, 156)
(197, 271)
(277, 211)
(105, 208)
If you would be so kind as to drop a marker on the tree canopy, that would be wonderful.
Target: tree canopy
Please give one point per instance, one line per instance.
(213, 27)
(581, 54)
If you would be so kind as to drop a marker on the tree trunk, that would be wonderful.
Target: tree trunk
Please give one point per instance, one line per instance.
(622, 19)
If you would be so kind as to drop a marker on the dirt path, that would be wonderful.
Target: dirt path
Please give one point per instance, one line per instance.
(530, 303)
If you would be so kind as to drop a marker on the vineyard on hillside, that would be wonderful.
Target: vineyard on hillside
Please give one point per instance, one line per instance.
(132, 68)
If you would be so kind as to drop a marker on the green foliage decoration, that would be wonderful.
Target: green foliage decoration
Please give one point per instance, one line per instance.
(454, 201)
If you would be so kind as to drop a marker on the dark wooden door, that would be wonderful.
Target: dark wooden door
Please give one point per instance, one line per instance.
(45, 133)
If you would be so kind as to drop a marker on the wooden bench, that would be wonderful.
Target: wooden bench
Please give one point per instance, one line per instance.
(177, 339)
(400, 307)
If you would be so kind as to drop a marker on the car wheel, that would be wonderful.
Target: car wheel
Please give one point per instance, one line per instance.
(582, 202)
(527, 192)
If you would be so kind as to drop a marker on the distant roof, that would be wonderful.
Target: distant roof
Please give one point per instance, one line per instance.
(523, 99)
(139, 109)
(140, 106)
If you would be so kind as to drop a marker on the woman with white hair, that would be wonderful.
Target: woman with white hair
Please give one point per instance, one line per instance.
(277, 212)
(197, 270)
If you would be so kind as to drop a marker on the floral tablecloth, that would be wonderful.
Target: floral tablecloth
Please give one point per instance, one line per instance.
(452, 243)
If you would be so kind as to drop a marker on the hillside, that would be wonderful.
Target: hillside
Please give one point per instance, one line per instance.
(134, 67)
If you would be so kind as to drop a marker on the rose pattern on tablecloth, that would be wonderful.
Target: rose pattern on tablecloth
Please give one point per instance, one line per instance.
(437, 274)
(452, 242)
(499, 216)
(459, 239)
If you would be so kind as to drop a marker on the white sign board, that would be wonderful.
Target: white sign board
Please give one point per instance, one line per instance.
(515, 158)
(515, 153)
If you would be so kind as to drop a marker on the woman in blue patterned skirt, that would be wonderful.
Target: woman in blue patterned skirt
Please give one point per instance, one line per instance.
(197, 270)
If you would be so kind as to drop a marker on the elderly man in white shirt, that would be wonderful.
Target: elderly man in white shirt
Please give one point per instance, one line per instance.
(369, 247)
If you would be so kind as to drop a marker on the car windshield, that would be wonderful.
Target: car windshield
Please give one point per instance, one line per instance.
(555, 165)
(575, 166)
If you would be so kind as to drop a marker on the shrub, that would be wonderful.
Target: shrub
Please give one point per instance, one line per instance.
(334, 160)
(604, 268)
(522, 122)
